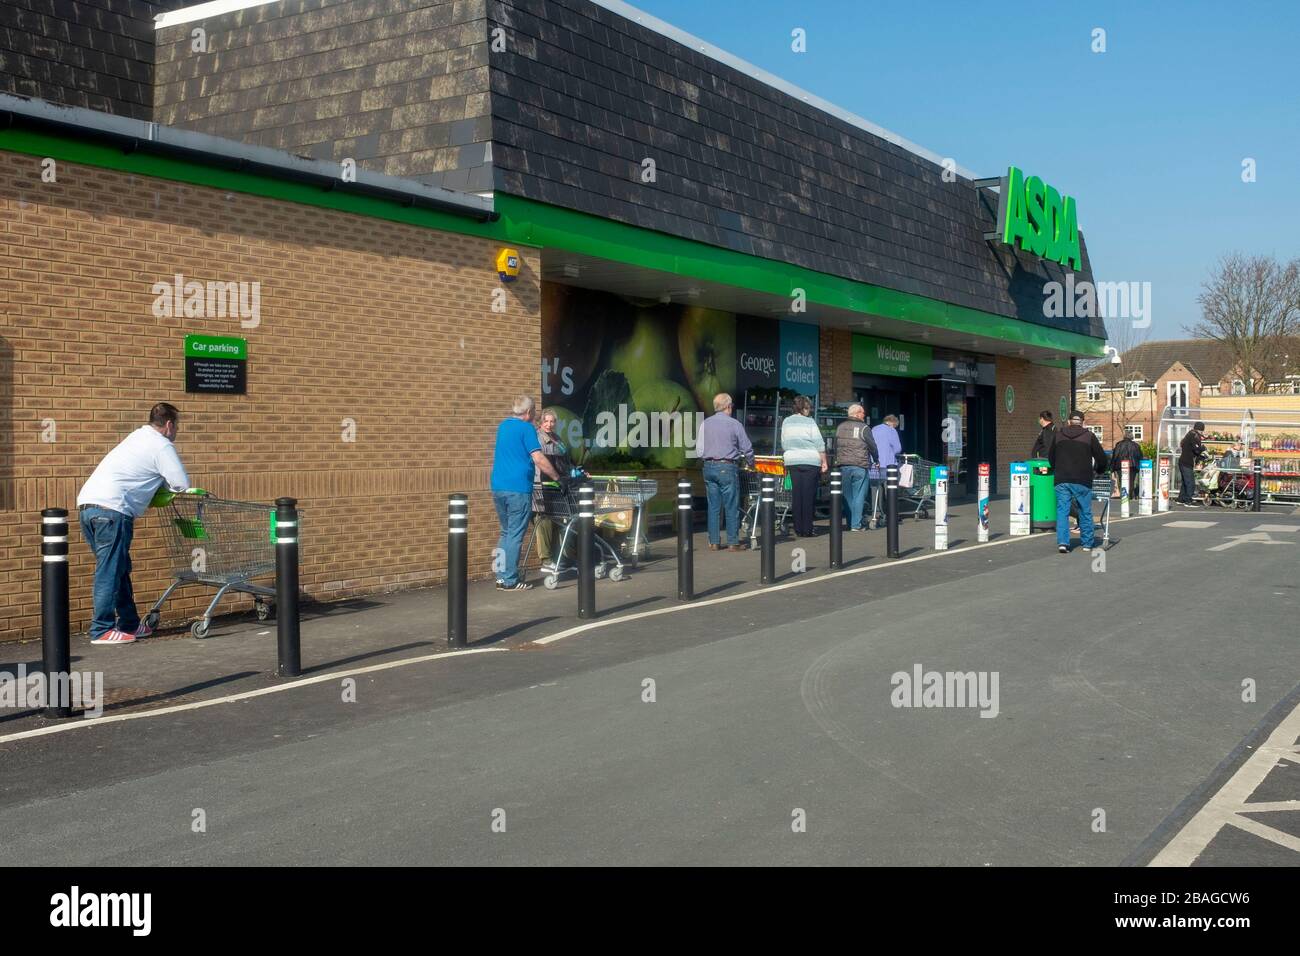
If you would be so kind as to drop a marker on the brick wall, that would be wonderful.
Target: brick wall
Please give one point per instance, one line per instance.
(91, 53)
(385, 324)
(401, 86)
(1037, 387)
(835, 380)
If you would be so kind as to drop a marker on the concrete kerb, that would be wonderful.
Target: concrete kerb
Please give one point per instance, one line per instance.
(542, 642)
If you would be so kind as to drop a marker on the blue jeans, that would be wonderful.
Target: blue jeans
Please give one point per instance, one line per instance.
(1081, 495)
(722, 488)
(109, 535)
(856, 486)
(514, 508)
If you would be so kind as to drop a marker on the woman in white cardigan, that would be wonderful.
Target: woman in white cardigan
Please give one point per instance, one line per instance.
(804, 450)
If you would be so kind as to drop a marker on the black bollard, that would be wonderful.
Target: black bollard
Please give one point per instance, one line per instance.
(685, 553)
(1257, 500)
(457, 569)
(56, 654)
(837, 520)
(287, 626)
(767, 526)
(891, 510)
(586, 552)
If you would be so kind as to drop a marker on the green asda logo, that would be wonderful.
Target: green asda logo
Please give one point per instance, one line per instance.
(1034, 216)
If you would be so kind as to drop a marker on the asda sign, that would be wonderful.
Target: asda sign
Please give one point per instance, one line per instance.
(1038, 219)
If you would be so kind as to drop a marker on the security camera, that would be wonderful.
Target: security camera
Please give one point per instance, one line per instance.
(1115, 359)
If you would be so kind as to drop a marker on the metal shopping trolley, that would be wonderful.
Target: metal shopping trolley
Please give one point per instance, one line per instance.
(919, 492)
(751, 489)
(559, 503)
(221, 543)
(636, 490)
(1102, 489)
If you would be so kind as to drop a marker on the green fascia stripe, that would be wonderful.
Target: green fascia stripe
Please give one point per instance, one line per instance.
(530, 223)
(536, 224)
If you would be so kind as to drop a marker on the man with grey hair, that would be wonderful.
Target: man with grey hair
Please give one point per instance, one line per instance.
(517, 454)
(855, 453)
(722, 446)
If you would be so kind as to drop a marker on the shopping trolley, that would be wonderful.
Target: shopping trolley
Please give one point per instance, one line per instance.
(636, 490)
(752, 488)
(559, 503)
(221, 543)
(921, 491)
(1102, 489)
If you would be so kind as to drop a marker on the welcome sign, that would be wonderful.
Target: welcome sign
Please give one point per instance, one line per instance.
(873, 356)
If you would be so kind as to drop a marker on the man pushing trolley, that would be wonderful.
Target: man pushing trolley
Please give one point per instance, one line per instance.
(117, 492)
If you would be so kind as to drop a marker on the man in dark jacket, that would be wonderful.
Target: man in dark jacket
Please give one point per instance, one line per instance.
(1126, 449)
(1046, 437)
(855, 453)
(1191, 450)
(1076, 456)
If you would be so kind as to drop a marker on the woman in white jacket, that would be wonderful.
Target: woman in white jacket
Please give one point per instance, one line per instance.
(804, 450)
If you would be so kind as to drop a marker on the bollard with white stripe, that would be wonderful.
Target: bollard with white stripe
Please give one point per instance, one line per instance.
(891, 510)
(586, 552)
(457, 570)
(287, 626)
(983, 502)
(685, 552)
(1257, 499)
(1125, 477)
(1144, 486)
(56, 651)
(941, 508)
(837, 520)
(767, 524)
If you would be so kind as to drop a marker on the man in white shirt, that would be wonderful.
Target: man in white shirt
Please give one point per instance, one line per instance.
(117, 492)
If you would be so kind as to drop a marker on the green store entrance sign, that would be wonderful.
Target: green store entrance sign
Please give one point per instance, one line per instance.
(1038, 219)
(887, 357)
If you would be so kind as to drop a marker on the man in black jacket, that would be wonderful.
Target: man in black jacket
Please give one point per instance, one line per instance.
(1046, 436)
(1126, 449)
(1191, 449)
(1076, 456)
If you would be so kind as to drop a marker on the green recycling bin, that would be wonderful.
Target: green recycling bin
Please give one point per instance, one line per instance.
(1042, 495)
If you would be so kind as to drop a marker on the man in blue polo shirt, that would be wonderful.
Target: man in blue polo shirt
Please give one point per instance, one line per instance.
(516, 454)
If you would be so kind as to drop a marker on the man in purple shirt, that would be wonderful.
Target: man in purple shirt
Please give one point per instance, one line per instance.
(722, 445)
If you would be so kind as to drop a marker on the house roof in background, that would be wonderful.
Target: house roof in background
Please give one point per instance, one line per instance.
(1207, 359)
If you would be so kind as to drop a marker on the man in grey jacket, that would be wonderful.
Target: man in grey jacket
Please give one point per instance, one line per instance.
(855, 453)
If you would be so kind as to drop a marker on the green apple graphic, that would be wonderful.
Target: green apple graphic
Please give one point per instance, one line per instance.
(666, 396)
(706, 339)
(645, 356)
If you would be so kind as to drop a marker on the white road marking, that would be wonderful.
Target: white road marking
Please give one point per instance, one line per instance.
(1252, 538)
(1277, 527)
(1226, 806)
(76, 724)
(1191, 524)
(801, 582)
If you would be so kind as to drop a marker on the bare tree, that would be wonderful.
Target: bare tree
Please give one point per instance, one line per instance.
(1251, 304)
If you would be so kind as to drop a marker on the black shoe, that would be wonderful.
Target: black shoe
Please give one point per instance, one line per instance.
(517, 586)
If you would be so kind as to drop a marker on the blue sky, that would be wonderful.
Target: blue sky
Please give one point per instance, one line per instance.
(1149, 137)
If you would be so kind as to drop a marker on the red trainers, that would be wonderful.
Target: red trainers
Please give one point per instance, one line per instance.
(114, 637)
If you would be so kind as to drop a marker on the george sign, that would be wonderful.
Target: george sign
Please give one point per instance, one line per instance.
(508, 264)
(1038, 219)
(215, 363)
(886, 357)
